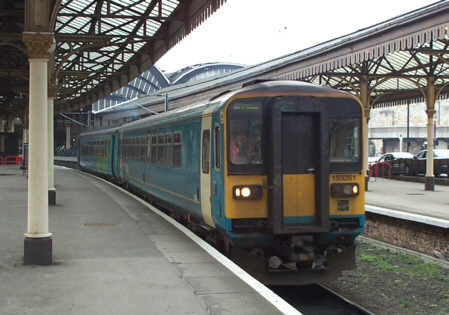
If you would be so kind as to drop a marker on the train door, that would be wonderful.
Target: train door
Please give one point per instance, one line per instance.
(216, 175)
(114, 155)
(299, 167)
(205, 169)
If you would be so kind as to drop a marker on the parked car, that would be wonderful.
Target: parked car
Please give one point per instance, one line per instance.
(393, 161)
(418, 164)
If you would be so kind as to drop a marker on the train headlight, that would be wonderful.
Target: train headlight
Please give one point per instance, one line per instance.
(345, 190)
(247, 192)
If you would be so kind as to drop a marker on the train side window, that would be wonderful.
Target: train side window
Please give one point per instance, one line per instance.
(160, 149)
(205, 159)
(137, 149)
(142, 149)
(134, 142)
(217, 147)
(148, 149)
(154, 149)
(177, 149)
(168, 149)
(125, 149)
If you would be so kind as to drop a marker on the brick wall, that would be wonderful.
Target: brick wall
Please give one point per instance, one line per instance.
(415, 236)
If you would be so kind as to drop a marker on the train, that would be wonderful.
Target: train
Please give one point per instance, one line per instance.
(271, 173)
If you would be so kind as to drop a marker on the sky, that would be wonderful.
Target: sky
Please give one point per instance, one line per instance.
(249, 32)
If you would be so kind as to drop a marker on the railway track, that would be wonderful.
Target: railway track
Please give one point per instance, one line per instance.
(317, 299)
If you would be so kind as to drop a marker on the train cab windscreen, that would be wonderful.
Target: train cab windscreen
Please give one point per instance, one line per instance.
(345, 145)
(344, 142)
(245, 136)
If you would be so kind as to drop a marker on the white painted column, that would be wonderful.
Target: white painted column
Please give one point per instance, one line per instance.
(430, 103)
(25, 127)
(364, 99)
(38, 241)
(50, 134)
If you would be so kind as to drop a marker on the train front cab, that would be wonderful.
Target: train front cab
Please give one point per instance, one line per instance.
(305, 183)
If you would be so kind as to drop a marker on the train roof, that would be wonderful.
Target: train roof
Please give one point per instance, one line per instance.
(290, 87)
(100, 131)
(216, 103)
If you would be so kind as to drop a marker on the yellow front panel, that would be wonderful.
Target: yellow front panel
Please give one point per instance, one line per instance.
(242, 209)
(356, 204)
(299, 195)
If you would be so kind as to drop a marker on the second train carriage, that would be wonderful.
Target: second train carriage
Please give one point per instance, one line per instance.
(273, 171)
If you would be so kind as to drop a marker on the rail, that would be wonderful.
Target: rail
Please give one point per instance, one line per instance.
(385, 167)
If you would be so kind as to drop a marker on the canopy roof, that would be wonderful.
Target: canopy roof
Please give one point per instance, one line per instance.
(100, 45)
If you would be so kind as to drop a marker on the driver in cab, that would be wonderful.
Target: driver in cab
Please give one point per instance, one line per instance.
(240, 151)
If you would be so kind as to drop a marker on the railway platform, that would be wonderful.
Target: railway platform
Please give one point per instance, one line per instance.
(408, 200)
(113, 254)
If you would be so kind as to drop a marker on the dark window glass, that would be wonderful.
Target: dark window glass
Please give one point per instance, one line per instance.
(217, 147)
(142, 149)
(148, 149)
(206, 152)
(344, 140)
(137, 149)
(245, 136)
(168, 149)
(177, 149)
(154, 149)
(160, 149)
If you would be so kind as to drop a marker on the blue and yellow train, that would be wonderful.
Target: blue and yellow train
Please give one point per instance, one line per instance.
(271, 172)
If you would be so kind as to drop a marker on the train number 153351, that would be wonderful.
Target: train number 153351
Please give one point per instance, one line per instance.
(343, 178)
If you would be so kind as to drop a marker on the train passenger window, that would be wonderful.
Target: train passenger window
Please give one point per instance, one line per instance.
(142, 149)
(168, 149)
(154, 149)
(137, 149)
(160, 149)
(205, 159)
(217, 147)
(344, 140)
(148, 148)
(177, 149)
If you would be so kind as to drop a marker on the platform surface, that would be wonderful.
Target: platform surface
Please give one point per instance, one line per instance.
(113, 255)
(409, 200)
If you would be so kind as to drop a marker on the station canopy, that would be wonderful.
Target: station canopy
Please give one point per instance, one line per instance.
(100, 46)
